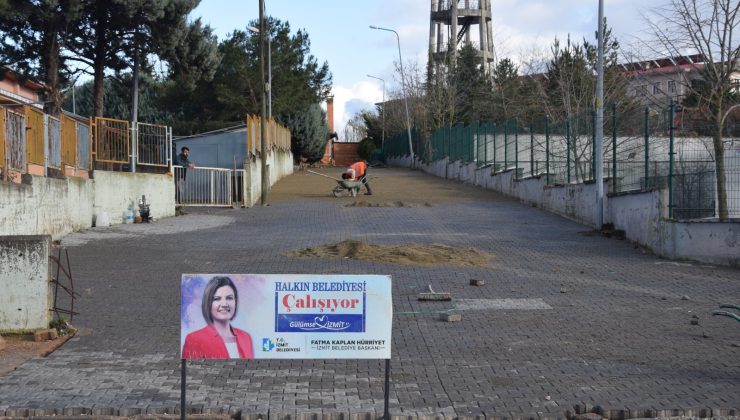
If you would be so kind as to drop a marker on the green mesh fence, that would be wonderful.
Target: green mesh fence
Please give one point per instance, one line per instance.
(643, 149)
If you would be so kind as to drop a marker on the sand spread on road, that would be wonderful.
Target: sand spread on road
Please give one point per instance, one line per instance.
(394, 204)
(409, 254)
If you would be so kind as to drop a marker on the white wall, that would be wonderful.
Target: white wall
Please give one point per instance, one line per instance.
(115, 191)
(46, 206)
(24, 280)
(56, 207)
(280, 165)
(642, 216)
(717, 243)
(639, 215)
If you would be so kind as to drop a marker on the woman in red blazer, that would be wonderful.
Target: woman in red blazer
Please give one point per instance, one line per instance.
(219, 339)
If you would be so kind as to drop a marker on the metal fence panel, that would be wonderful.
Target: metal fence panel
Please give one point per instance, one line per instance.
(54, 130)
(153, 144)
(15, 142)
(204, 186)
(35, 133)
(3, 142)
(112, 140)
(83, 145)
(69, 141)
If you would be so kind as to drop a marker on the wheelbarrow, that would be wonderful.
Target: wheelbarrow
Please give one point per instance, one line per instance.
(346, 185)
(343, 185)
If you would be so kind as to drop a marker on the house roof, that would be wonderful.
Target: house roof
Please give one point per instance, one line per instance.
(665, 65)
(27, 82)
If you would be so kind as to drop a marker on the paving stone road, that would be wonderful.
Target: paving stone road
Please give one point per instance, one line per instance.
(605, 323)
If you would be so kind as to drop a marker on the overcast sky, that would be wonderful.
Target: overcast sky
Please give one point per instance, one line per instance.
(340, 34)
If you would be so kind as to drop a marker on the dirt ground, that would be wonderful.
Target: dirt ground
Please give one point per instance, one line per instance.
(390, 189)
(21, 348)
(413, 254)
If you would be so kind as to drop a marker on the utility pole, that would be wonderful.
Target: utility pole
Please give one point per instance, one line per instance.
(263, 113)
(599, 175)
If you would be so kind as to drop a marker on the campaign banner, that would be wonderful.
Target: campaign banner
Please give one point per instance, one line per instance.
(285, 316)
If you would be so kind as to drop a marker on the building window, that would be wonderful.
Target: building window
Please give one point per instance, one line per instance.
(641, 90)
(735, 85)
(656, 88)
(671, 86)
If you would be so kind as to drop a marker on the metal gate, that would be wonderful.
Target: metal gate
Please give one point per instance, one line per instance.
(204, 186)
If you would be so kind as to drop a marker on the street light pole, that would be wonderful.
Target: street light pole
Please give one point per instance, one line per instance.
(382, 110)
(263, 120)
(405, 91)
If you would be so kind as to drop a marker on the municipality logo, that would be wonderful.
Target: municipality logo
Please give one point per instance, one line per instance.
(267, 345)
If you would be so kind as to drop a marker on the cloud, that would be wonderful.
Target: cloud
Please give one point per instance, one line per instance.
(350, 100)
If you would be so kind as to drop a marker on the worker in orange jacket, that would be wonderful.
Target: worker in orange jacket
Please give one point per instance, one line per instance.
(358, 171)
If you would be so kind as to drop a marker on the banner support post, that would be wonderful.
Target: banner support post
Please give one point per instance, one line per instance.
(183, 376)
(386, 413)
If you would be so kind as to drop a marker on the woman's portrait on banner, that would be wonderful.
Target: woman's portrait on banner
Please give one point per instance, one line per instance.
(220, 338)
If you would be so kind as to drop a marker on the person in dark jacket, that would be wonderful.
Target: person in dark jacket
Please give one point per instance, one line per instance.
(183, 159)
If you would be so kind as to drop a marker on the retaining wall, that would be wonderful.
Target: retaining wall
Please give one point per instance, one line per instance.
(115, 191)
(641, 215)
(24, 280)
(280, 165)
(56, 207)
(46, 206)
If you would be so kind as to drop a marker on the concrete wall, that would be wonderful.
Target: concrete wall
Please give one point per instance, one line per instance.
(115, 191)
(56, 207)
(639, 215)
(642, 216)
(46, 206)
(24, 280)
(280, 165)
(716, 243)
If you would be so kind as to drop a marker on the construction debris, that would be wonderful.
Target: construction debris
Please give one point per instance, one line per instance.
(451, 317)
(432, 295)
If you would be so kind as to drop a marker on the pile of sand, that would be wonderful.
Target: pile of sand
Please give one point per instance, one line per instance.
(412, 254)
(394, 204)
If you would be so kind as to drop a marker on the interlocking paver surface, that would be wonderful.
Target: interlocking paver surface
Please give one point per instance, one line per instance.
(609, 326)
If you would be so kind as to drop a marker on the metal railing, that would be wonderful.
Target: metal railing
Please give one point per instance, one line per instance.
(30, 137)
(153, 144)
(204, 186)
(112, 140)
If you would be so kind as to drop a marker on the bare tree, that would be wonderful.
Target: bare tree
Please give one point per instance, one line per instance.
(708, 27)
